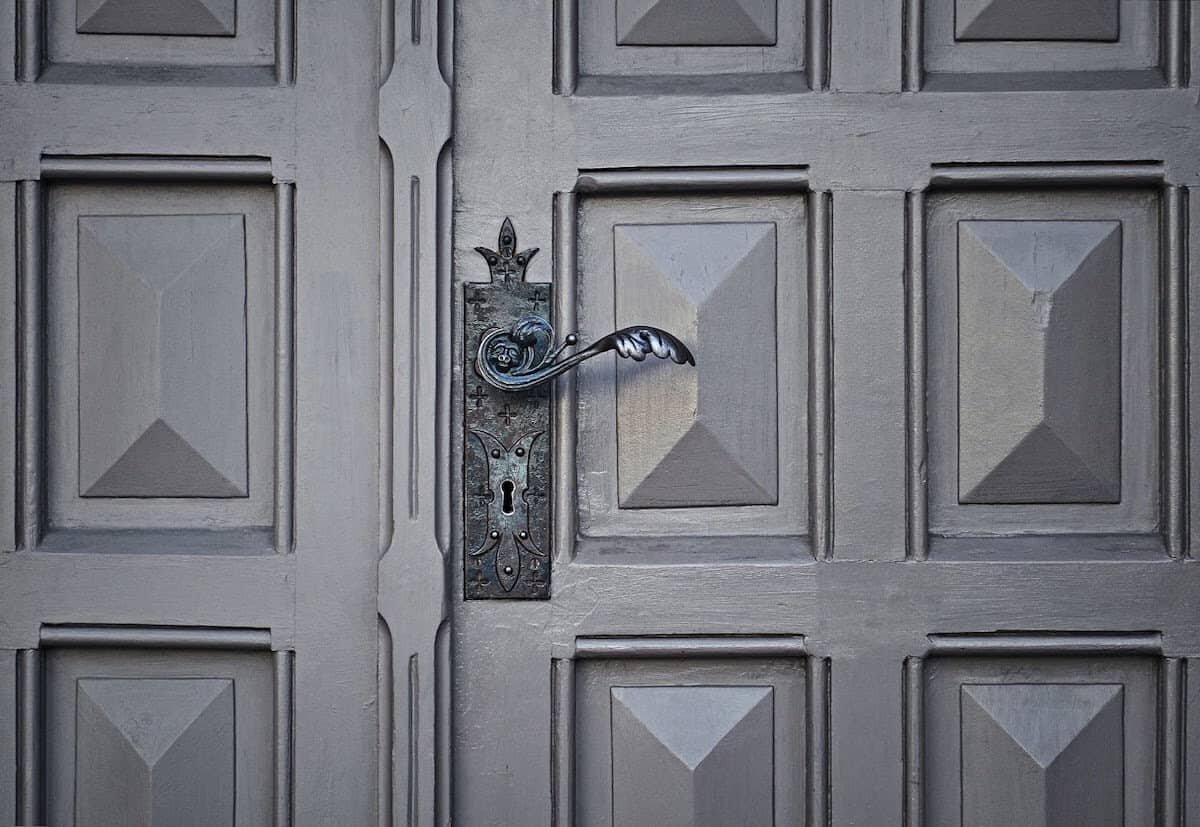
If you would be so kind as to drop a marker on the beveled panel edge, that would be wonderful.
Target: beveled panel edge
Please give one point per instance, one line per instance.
(1041, 643)
(1172, 761)
(1127, 173)
(1174, 378)
(156, 168)
(155, 637)
(283, 736)
(820, 373)
(913, 693)
(562, 742)
(30, 756)
(285, 42)
(640, 181)
(285, 349)
(761, 646)
(566, 47)
(916, 448)
(31, 232)
(819, 777)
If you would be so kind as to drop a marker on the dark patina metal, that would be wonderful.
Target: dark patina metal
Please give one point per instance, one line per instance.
(511, 356)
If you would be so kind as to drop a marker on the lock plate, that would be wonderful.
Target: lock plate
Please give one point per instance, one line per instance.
(507, 438)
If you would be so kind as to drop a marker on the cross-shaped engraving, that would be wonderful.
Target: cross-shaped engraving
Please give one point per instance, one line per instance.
(478, 395)
(506, 414)
(476, 298)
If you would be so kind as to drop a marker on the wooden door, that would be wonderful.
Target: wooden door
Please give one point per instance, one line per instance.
(909, 545)
(188, 329)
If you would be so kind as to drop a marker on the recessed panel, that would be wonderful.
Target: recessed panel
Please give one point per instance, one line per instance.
(1037, 19)
(706, 436)
(1041, 742)
(160, 372)
(151, 751)
(690, 741)
(162, 356)
(144, 738)
(180, 42)
(692, 755)
(669, 451)
(687, 23)
(1039, 367)
(726, 45)
(1009, 45)
(1043, 754)
(161, 17)
(1042, 351)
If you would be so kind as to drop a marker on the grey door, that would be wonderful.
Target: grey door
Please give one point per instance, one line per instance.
(188, 410)
(909, 544)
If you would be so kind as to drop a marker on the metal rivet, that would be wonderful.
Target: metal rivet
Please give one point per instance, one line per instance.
(520, 452)
(496, 453)
(495, 534)
(524, 535)
(508, 569)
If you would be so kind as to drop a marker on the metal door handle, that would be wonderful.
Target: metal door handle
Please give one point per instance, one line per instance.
(524, 356)
(507, 462)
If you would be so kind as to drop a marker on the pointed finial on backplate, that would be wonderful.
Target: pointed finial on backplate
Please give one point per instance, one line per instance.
(505, 262)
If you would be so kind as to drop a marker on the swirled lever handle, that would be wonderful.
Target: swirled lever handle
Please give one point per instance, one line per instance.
(524, 356)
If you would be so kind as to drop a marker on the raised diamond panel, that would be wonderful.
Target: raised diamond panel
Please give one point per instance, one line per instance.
(160, 17)
(155, 752)
(707, 437)
(1039, 361)
(692, 755)
(1043, 755)
(1037, 19)
(692, 23)
(162, 356)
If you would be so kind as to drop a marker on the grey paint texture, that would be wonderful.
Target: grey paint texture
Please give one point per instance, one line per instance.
(829, 121)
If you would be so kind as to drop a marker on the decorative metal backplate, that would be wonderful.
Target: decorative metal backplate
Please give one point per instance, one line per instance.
(506, 474)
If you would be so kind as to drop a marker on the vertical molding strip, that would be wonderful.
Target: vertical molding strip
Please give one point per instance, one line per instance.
(914, 271)
(914, 725)
(817, 61)
(566, 46)
(818, 742)
(1172, 760)
(913, 69)
(1175, 349)
(31, 296)
(387, 344)
(563, 468)
(820, 399)
(415, 353)
(29, 738)
(29, 40)
(386, 687)
(285, 42)
(285, 253)
(284, 682)
(562, 742)
(412, 785)
(1174, 16)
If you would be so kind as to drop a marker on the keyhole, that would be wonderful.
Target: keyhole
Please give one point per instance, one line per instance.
(506, 489)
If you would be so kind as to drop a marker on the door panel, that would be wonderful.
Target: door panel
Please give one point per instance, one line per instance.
(939, 393)
(190, 210)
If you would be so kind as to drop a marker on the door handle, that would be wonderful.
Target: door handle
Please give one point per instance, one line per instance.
(507, 420)
(523, 355)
